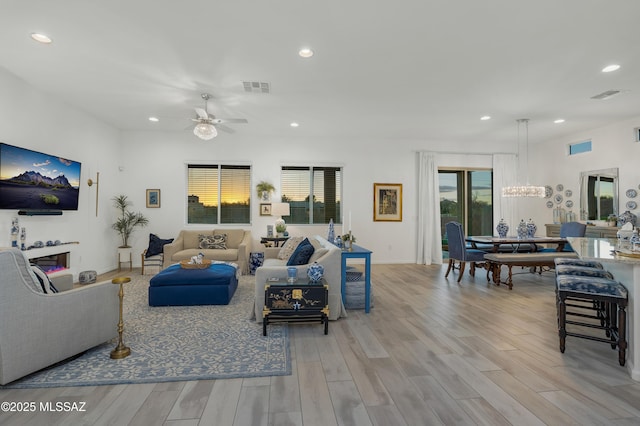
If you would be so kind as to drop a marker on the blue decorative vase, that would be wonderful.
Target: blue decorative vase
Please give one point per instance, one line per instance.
(315, 272)
(331, 235)
(627, 217)
(531, 229)
(522, 229)
(256, 259)
(338, 241)
(502, 228)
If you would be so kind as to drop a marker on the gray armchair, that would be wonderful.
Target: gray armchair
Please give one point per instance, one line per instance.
(39, 329)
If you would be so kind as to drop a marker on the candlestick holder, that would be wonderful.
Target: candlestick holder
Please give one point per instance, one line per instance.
(120, 351)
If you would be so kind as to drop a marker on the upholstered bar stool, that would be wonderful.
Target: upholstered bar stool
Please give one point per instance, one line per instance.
(605, 292)
(603, 310)
(578, 262)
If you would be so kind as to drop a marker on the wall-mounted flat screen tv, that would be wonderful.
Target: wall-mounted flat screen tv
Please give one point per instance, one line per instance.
(34, 180)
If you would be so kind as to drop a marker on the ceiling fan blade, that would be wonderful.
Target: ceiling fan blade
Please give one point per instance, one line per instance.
(230, 120)
(224, 128)
(202, 113)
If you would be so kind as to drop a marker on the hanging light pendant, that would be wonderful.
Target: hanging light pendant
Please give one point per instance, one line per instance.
(523, 190)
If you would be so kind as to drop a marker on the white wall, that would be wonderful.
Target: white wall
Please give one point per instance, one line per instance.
(33, 120)
(550, 164)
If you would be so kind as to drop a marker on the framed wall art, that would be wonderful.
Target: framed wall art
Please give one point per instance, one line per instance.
(265, 209)
(387, 202)
(153, 198)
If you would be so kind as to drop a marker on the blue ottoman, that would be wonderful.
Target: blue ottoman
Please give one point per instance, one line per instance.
(176, 286)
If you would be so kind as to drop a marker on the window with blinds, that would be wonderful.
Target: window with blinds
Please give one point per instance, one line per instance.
(218, 194)
(313, 194)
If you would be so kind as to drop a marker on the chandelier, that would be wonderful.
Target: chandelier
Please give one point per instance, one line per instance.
(206, 131)
(523, 190)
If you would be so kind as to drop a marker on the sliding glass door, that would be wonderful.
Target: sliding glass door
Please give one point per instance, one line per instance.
(466, 196)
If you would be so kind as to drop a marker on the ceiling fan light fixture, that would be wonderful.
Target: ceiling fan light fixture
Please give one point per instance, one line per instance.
(205, 131)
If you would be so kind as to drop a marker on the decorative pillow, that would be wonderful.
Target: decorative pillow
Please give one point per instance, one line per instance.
(289, 247)
(301, 254)
(212, 241)
(43, 279)
(156, 245)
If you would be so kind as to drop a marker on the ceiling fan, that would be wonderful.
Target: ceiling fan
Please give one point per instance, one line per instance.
(207, 124)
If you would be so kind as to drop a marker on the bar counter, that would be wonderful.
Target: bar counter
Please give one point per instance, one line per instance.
(626, 269)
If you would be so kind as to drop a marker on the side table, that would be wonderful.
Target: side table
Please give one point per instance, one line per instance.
(299, 301)
(275, 240)
(357, 252)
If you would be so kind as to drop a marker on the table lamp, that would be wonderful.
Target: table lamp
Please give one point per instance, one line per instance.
(279, 210)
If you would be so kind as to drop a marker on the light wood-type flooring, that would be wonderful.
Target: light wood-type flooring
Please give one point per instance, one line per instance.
(432, 351)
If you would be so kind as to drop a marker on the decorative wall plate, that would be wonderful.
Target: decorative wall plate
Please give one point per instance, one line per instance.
(569, 204)
(558, 198)
(632, 193)
(549, 204)
(631, 205)
(548, 191)
(568, 193)
(559, 187)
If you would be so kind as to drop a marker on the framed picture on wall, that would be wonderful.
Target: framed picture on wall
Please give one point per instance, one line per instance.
(153, 198)
(387, 202)
(265, 209)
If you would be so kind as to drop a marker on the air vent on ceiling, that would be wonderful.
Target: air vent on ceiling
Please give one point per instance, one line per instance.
(256, 87)
(606, 95)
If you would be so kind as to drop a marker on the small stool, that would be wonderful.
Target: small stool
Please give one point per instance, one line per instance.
(608, 297)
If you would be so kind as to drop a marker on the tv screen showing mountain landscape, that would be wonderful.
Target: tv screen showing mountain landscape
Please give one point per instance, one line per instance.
(34, 180)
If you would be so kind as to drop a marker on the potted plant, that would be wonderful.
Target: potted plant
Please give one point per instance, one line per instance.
(612, 219)
(264, 190)
(348, 239)
(126, 224)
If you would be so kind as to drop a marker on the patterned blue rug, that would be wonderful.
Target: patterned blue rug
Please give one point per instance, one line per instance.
(177, 344)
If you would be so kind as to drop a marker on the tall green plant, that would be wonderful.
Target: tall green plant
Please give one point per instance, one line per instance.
(128, 220)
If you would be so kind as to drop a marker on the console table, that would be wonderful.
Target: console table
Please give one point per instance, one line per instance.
(357, 252)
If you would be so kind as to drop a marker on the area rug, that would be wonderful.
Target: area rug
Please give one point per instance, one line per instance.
(176, 344)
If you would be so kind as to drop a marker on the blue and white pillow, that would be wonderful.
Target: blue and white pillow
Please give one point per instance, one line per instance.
(43, 279)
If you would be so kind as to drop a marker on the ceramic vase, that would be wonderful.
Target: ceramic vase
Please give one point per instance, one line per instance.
(315, 272)
(502, 228)
(23, 239)
(531, 229)
(15, 230)
(522, 229)
(338, 241)
(627, 217)
(332, 234)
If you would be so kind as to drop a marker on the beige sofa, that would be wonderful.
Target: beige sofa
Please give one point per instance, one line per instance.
(326, 254)
(187, 245)
(39, 329)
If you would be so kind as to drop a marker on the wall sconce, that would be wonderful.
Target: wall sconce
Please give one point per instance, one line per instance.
(90, 182)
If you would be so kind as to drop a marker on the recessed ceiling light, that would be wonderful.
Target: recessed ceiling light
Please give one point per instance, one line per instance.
(154, 119)
(609, 68)
(294, 124)
(485, 117)
(559, 120)
(305, 53)
(41, 38)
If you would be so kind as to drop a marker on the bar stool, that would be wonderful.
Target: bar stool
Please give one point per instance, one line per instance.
(606, 296)
(578, 262)
(603, 310)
